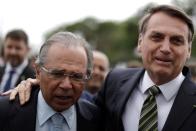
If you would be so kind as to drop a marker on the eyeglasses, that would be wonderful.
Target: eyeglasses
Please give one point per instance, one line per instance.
(59, 74)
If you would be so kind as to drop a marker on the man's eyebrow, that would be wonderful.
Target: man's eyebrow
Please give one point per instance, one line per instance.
(156, 32)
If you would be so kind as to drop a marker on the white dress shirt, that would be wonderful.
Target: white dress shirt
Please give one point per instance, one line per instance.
(44, 113)
(18, 72)
(164, 101)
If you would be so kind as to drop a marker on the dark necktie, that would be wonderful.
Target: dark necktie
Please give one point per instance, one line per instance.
(149, 115)
(57, 121)
(9, 81)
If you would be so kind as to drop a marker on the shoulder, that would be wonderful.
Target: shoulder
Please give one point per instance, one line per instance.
(88, 116)
(116, 76)
(87, 109)
(28, 68)
(5, 109)
(28, 72)
(2, 69)
(4, 103)
(123, 73)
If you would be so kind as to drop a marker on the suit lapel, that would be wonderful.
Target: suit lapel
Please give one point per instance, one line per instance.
(22, 75)
(124, 92)
(2, 71)
(182, 107)
(122, 95)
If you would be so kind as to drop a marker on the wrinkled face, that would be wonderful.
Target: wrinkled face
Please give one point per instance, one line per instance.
(15, 51)
(164, 47)
(61, 92)
(100, 68)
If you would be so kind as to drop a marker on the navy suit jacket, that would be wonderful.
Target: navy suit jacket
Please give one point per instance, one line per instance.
(118, 87)
(14, 117)
(28, 72)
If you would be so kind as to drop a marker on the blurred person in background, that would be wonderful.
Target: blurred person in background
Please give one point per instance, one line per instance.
(100, 70)
(15, 53)
(1, 58)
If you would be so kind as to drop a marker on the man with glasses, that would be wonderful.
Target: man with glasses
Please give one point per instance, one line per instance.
(63, 66)
(161, 96)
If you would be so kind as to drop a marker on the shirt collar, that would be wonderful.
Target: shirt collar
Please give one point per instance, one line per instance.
(45, 112)
(17, 69)
(168, 90)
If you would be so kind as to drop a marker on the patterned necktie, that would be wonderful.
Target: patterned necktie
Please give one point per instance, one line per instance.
(149, 115)
(9, 81)
(57, 121)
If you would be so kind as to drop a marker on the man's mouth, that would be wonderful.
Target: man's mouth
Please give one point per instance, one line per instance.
(64, 97)
(163, 60)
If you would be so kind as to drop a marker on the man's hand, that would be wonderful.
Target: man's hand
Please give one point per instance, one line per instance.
(23, 89)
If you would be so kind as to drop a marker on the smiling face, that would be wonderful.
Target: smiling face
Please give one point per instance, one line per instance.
(164, 47)
(61, 93)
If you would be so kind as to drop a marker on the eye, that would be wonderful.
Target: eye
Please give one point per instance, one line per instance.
(156, 37)
(77, 76)
(57, 73)
(102, 68)
(177, 40)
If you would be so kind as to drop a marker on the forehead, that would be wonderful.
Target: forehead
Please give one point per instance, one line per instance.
(60, 56)
(14, 42)
(100, 58)
(167, 24)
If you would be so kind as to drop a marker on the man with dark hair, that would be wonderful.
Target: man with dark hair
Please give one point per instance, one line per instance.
(160, 96)
(17, 68)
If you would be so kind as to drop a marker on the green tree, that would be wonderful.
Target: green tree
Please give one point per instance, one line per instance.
(189, 7)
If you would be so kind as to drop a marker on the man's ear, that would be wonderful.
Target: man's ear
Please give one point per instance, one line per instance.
(139, 43)
(37, 71)
(189, 50)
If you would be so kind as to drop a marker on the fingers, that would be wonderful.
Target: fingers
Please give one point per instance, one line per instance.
(6, 93)
(23, 90)
(28, 90)
(30, 82)
(33, 81)
(13, 93)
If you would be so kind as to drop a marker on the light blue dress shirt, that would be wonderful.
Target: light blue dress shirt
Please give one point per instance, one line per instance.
(44, 113)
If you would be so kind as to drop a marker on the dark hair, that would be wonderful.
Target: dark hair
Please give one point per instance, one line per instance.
(171, 11)
(17, 34)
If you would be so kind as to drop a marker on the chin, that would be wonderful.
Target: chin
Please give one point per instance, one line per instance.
(161, 72)
(61, 108)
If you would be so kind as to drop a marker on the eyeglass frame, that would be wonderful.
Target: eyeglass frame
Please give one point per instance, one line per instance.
(63, 75)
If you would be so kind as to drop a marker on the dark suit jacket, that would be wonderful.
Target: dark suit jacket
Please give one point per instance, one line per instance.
(118, 87)
(28, 72)
(14, 117)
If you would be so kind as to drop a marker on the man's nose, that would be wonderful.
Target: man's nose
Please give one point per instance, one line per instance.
(12, 51)
(165, 46)
(66, 83)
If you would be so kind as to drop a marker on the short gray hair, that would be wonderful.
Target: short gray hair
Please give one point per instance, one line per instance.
(69, 40)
